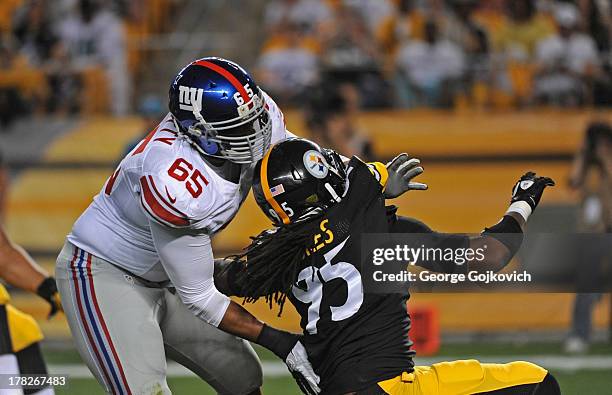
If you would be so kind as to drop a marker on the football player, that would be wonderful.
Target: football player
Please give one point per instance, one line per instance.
(136, 271)
(357, 342)
(20, 335)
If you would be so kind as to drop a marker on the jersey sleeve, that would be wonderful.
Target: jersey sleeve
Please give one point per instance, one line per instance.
(365, 184)
(188, 260)
(171, 190)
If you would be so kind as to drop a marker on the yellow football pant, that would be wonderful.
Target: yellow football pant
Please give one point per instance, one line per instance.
(462, 378)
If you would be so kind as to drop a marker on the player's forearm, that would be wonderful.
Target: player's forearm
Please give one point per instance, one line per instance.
(496, 258)
(504, 239)
(18, 269)
(241, 323)
(500, 242)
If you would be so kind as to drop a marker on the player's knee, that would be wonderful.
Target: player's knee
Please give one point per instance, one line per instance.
(251, 383)
(251, 378)
(548, 386)
(246, 374)
(243, 385)
(157, 386)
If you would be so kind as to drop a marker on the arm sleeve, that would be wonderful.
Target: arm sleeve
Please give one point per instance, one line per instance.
(188, 260)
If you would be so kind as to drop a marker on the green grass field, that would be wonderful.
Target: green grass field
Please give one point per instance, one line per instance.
(579, 381)
(180, 386)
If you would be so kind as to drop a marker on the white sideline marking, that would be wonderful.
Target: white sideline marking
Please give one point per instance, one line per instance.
(278, 369)
(80, 371)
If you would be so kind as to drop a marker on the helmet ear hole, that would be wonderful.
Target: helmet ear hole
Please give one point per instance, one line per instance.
(296, 174)
(210, 147)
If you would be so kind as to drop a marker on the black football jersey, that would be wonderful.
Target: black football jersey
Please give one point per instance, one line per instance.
(354, 339)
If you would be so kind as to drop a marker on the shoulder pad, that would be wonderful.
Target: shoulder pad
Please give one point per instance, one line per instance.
(379, 171)
(172, 187)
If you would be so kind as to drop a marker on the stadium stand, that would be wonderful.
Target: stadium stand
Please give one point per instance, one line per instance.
(483, 54)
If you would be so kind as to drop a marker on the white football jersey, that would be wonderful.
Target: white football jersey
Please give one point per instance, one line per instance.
(165, 179)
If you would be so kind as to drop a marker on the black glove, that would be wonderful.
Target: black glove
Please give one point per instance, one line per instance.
(48, 291)
(289, 348)
(530, 188)
(402, 169)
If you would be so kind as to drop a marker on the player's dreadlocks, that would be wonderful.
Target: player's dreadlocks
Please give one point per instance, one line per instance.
(271, 263)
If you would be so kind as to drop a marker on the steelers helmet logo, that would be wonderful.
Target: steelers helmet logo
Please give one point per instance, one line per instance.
(316, 164)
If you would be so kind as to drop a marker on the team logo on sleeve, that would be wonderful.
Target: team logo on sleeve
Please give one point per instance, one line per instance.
(316, 164)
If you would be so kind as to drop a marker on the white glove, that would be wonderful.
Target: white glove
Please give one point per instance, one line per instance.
(287, 347)
(302, 371)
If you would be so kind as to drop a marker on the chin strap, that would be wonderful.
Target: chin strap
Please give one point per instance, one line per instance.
(332, 192)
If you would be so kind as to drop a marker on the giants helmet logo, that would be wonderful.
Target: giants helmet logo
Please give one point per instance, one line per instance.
(188, 97)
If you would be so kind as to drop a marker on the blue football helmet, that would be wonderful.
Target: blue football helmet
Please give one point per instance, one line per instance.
(218, 105)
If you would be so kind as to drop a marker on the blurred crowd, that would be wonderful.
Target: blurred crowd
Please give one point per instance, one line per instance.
(330, 57)
(439, 53)
(70, 56)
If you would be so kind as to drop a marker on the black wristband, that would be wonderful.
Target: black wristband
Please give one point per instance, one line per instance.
(279, 342)
(47, 289)
(508, 232)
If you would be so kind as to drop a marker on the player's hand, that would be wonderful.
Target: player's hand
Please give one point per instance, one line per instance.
(48, 291)
(530, 189)
(302, 371)
(289, 348)
(402, 169)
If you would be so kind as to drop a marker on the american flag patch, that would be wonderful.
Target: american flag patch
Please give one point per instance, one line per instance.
(277, 190)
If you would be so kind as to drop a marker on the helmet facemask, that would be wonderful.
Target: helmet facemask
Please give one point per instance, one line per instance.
(337, 181)
(243, 140)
